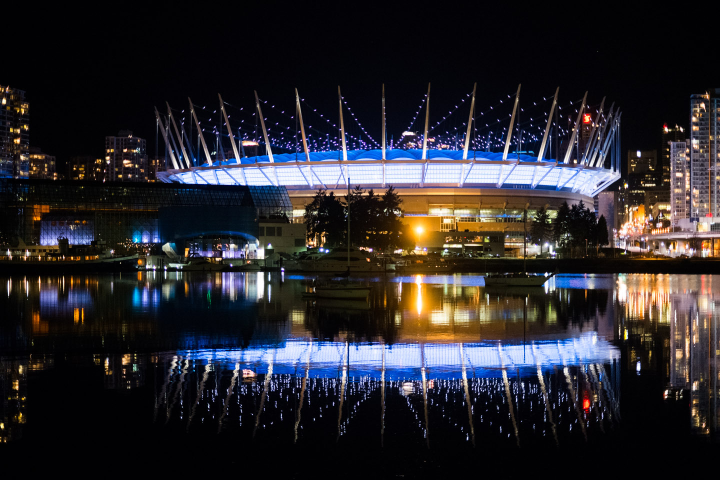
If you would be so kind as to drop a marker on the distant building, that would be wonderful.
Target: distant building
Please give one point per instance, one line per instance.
(679, 181)
(657, 202)
(704, 151)
(669, 134)
(42, 165)
(642, 169)
(156, 165)
(608, 207)
(85, 167)
(14, 133)
(126, 158)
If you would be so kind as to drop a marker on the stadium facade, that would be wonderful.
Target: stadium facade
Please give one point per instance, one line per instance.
(443, 190)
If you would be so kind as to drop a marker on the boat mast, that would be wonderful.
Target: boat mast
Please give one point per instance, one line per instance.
(525, 240)
(348, 227)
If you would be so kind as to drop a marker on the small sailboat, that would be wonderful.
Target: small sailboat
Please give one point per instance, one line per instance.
(344, 290)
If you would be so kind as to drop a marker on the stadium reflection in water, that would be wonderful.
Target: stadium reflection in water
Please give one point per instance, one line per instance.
(427, 359)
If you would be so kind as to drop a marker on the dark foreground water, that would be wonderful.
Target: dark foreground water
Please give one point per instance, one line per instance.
(238, 373)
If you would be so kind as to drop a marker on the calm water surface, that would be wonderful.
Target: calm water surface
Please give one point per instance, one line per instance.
(433, 372)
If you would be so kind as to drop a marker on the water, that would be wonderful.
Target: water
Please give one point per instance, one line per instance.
(431, 372)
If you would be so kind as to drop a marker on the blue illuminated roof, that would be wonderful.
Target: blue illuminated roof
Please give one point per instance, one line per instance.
(395, 154)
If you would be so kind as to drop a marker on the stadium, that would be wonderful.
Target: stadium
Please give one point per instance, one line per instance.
(476, 176)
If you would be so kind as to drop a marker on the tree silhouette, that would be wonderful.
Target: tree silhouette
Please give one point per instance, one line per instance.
(541, 229)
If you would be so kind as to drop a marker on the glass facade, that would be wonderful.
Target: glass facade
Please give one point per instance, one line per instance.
(40, 211)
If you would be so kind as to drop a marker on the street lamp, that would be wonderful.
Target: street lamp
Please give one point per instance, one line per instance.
(586, 247)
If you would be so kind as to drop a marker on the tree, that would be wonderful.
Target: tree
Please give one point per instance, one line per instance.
(325, 217)
(561, 229)
(602, 232)
(376, 220)
(541, 228)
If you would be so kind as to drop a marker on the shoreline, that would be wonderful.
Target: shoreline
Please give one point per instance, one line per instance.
(463, 265)
(591, 265)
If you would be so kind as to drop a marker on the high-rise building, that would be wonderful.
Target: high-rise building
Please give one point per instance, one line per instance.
(669, 134)
(85, 167)
(642, 169)
(42, 165)
(704, 151)
(679, 181)
(126, 158)
(14, 133)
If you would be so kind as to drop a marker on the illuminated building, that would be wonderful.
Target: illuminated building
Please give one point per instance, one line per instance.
(155, 166)
(42, 165)
(86, 167)
(14, 133)
(704, 152)
(642, 169)
(669, 134)
(118, 215)
(679, 181)
(483, 184)
(126, 158)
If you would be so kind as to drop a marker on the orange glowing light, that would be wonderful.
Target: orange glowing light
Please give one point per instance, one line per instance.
(587, 118)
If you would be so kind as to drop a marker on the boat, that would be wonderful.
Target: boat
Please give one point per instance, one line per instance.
(516, 280)
(417, 264)
(340, 261)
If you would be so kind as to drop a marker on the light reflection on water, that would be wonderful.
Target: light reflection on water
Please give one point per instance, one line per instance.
(246, 352)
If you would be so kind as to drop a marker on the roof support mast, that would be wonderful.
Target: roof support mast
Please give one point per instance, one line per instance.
(262, 124)
(227, 124)
(202, 139)
(592, 133)
(342, 136)
(232, 138)
(265, 136)
(427, 119)
(302, 125)
(298, 112)
(470, 121)
(182, 148)
(167, 142)
(382, 133)
(569, 150)
(512, 123)
(342, 126)
(547, 128)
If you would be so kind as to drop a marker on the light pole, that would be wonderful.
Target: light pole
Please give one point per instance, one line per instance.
(586, 247)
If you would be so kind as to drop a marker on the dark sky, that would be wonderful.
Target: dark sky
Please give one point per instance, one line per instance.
(88, 74)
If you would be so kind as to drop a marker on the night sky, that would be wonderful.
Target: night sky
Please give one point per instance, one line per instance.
(89, 74)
